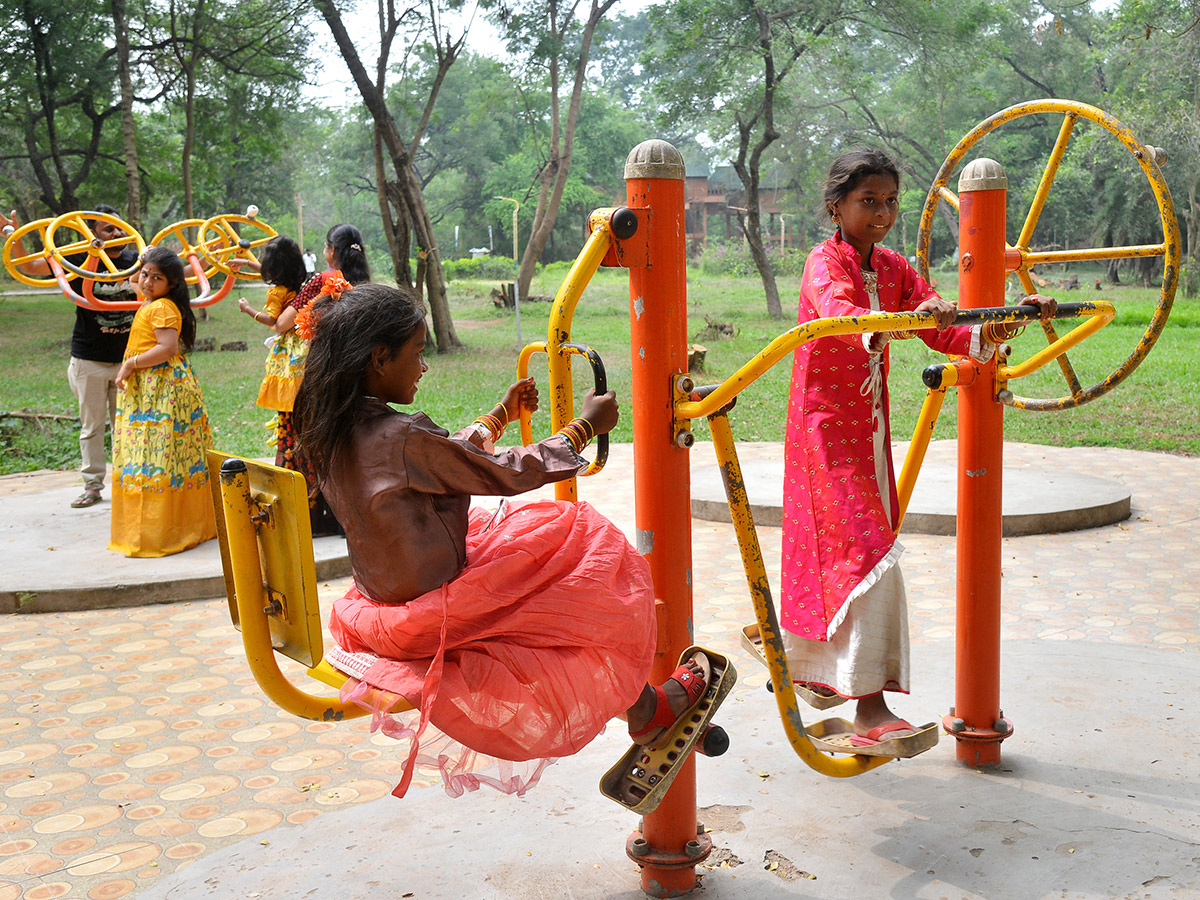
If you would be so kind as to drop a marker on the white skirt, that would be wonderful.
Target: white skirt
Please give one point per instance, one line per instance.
(868, 652)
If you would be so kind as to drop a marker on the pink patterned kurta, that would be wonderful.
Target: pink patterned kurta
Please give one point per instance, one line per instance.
(838, 529)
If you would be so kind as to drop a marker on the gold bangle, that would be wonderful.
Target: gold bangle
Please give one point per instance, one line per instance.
(588, 431)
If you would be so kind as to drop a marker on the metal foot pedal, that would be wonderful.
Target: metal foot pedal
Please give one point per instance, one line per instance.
(837, 736)
(642, 777)
(752, 644)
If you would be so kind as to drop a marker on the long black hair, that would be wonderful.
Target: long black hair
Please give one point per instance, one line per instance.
(347, 244)
(282, 264)
(171, 266)
(850, 168)
(346, 334)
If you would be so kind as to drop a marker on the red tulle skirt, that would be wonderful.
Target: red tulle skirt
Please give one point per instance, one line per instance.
(547, 634)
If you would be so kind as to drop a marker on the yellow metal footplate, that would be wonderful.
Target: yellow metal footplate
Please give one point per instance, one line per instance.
(837, 736)
(644, 775)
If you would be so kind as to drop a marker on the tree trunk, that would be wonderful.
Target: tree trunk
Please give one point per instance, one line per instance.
(395, 228)
(133, 182)
(189, 140)
(407, 182)
(558, 166)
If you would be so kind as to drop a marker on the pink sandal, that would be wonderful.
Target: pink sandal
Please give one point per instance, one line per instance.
(876, 734)
(663, 719)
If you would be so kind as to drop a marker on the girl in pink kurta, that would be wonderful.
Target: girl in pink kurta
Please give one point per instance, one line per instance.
(843, 606)
(516, 636)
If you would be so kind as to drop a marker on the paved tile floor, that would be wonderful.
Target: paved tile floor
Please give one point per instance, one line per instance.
(134, 741)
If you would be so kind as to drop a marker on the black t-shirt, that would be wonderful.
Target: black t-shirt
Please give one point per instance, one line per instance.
(102, 336)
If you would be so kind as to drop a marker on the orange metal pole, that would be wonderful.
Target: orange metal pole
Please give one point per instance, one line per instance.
(976, 719)
(654, 176)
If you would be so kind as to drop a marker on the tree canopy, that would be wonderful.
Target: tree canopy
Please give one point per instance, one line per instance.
(202, 109)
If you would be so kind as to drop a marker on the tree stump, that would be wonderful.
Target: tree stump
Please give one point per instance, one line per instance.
(696, 355)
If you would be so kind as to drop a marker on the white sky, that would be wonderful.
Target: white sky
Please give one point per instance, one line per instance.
(333, 85)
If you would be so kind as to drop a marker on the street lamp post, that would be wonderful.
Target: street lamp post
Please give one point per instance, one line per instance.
(516, 290)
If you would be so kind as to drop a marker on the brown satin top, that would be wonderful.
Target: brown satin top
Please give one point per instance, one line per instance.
(401, 487)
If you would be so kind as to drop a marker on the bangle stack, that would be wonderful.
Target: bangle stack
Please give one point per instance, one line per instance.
(579, 433)
(997, 333)
(492, 424)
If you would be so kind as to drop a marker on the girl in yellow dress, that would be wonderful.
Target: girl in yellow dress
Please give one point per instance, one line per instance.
(161, 500)
(282, 267)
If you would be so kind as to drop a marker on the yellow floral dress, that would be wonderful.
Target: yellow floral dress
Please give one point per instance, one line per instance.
(161, 500)
(285, 362)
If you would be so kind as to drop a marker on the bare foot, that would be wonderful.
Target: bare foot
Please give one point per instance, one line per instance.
(872, 712)
(641, 715)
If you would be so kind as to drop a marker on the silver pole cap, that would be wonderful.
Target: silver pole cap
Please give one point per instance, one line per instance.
(654, 159)
(982, 174)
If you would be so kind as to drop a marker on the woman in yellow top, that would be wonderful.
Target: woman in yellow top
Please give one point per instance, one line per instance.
(161, 501)
(282, 267)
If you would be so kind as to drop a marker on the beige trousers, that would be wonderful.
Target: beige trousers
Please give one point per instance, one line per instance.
(95, 387)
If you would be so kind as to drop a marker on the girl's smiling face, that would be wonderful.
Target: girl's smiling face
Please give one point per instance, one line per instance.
(868, 212)
(394, 379)
(152, 282)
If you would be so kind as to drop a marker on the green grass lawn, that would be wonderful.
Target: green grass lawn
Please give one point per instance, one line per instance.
(1157, 408)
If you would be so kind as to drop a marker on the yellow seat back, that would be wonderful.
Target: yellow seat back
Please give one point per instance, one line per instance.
(283, 564)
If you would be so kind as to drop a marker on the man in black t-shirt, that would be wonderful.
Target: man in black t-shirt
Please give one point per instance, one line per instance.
(97, 348)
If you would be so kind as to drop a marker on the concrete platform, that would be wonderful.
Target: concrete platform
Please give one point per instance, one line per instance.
(1037, 499)
(55, 558)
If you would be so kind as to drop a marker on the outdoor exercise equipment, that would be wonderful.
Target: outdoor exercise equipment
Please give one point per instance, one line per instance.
(208, 246)
(14, 238)
(99, 264)
(647, 237)
(1021, 258)
(222, 240)
(185, 235)
(265, 537)
(98, 251)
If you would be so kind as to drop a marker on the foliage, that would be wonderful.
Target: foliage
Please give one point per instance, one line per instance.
(733, 258)
(57, 101)
(483, 268)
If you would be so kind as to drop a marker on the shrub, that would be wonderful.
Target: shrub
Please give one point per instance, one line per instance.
(735, 259)
(483, 268)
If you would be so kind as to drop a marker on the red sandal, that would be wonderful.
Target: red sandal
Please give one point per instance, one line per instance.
(877, 734)
(663, 719)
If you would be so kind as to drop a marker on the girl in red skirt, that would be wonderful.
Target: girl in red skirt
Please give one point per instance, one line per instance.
(518, 635)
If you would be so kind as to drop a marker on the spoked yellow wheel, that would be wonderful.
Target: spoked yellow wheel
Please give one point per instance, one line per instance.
(87, 242)
(223, 239)
(185, 234)
(1023, 260)
(11, 262)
